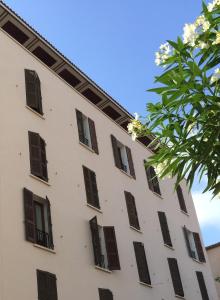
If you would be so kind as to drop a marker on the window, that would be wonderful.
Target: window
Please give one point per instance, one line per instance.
(105, 294)
(202, 286)
(132, 211)
(152, 180)
(91, 187)
(141, 260)
(104, 246)
(38, 225)
(33, 91)
(38, 161)
(123, 157)
(47, 286)
(181, 199)
(194, 245)
(87, 132)
(175, 276)
(164, 228)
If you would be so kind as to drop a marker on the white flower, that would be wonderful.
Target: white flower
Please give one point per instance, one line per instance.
(130, 127)
(136, 115)
(216, 76)
(202, 45)
(165, 51)
(212, 5)
(201, 21)
(189, 34)
(159, 169)
(134, 136)
(217, 41)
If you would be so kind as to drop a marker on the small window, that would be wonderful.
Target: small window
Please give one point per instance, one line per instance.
(123, 157)
(152, 180)
(44, 56)
(181, 199)
(132, 211)
(33, 91)
(87, 132)
(105, 294)
(141, 260)
(38, 225)
(104, 246)
(175, 276)
(91, 187)
(46, 285)
(194, 245)
(202, 286)
(38, 161)
(164, 228)
(15, 32)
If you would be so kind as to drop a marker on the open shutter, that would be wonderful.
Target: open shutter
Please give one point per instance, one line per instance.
(141, 260)
(33, 90)
(116, 153)
(164, 228)
(43, 160)
(51, 287)
(175, 275)
(181, 199)
(111, 248)
(130, 162)
(132, 211)
(91, 187)
(186, 235)
(29, 215)
(105, 294)
(35, 154)
(93, 136)
(96, 242)
(199, 247)
(79, 118)
(50, 231)
(42, 285)
(202, 286)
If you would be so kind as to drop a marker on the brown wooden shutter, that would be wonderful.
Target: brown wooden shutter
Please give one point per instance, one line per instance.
(79, 118)
(152, 179)
(186, 236)
(175, 275)
(29, 215)
(43, 160)
(141, 260)
(130, 162)
(93, 136)
(91, 187)
(116, 153)
(111, 248)
(51, 287)
(181, 199)
(42, 285)
(199, 247)
(105, 294)
(50, 231)
(35, 154)
(202, 286)
(96, 242)
(33, 91)
(164, 228)
(132, 211)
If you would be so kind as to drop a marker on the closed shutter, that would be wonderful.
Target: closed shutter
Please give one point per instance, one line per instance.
(130, 162)
(33, 91)
(111, 248)
(43, 160)
(29, 216)
(116, 153)
(51, 287)
(181, 199)
(202, 286)
(91, 187)
(186, 236)
(79, 118)
(141, 260)
(152, 180)
(42, 285)
(132, 211)
(175, 275)
(35, 154)
(96, 242)
(93, 136)
(50, 231)
(164, 228)
(199, 247)
(105, 294)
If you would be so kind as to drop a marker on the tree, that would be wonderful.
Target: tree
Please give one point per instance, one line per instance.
(186, 120)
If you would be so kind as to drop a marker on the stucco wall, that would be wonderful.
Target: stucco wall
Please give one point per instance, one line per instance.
(73, 263)
(214, 260)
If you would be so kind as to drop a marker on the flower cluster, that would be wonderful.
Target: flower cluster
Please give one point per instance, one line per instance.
(135, 127)
(165, 51)
(216, 76)
(160, 168)
(217, 40)
(213, 5)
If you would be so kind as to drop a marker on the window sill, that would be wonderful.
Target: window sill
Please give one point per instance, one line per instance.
(126, 174)
(170, 247)
(180, 297)
(103, 269)
(185, 213)
(39, 179)
(44, 248)
(145, 284)
(87, 147)
(156, 194)
(198, 261)
(35, 112)
(135, 229)
(95, 208)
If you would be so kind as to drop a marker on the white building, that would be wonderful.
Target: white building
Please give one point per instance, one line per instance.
(213, 252)
(67, 160)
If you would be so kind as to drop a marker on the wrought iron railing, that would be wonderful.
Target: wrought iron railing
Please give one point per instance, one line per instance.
(43, 238)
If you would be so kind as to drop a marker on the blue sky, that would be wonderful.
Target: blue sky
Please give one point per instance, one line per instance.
(114, 43)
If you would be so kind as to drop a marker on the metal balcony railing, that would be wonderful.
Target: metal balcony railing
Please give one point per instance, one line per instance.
(43, 238)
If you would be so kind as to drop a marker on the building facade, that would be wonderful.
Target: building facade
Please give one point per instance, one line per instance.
(81, 217)
(213, 252)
